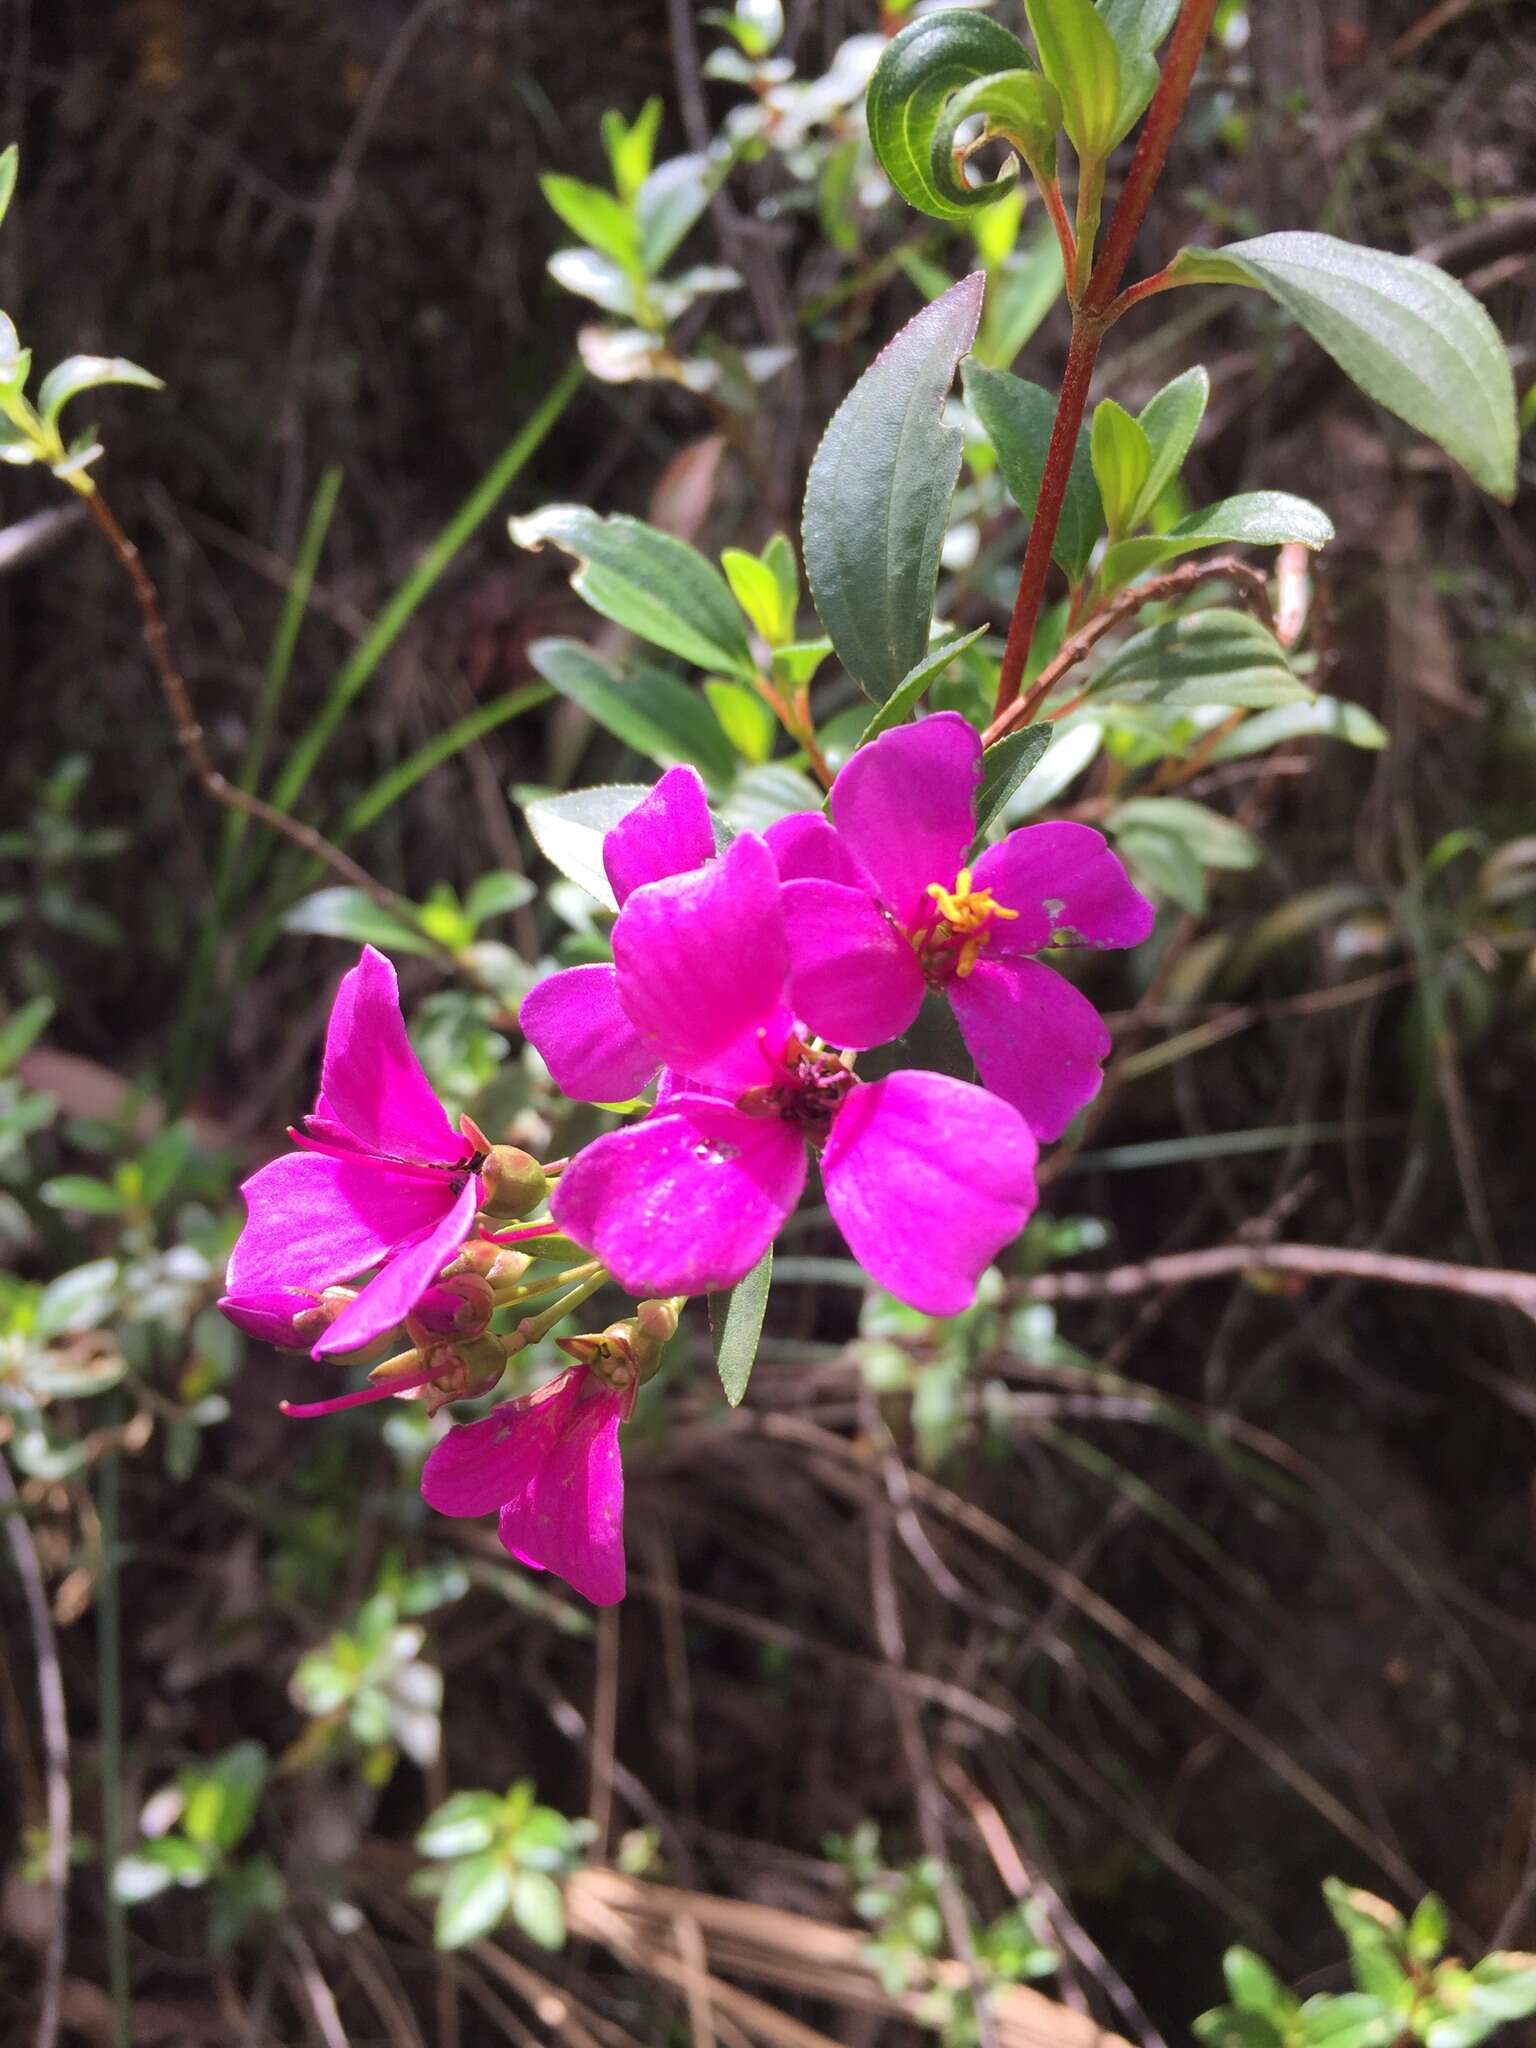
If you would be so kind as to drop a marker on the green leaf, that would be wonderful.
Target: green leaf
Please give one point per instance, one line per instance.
(1409, 335)
(1505, 1985)
(1215, 841)
(598, 278)
(221, 1797)
(344, 913)
(1216, 657)
(799, 661)
(902, 701)
(1364, 1920)
(631, 145)
(1230, 2027)
(649, 581)
(1017, 106)
(760, 593)
(1019, 295)
(538, 1907)
(1170, 422)
(1258, 519)
(81, 1193)
(878, 497)
(496, 895)
(85, 373)
(81, 1299)
(569, 831)
(668, 204)
(1324, 717)
(474, 1900)
(603, 222)
(908, 106)
(154, 1867)
(10, 158)
(1017, 418)
(1004, 768)
(1122, 462)
(1429, 1930)
(1082, 60)
(1351, 2020)
(741, 1327)
(1139, 26)
(1254, 1987)
(648, 710)
(464, 1825)
(23, 1028)
(744, 718)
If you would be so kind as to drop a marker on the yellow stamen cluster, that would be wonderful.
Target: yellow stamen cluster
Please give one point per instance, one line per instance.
(967, 914)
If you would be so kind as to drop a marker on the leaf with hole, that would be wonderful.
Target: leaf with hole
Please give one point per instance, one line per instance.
(1408, 334)
(878, 497)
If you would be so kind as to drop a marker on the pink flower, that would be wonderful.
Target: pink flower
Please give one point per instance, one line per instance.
(549, 1464)
(574, 1020)
(926, 1176)
(383, 1179)
(881, 905)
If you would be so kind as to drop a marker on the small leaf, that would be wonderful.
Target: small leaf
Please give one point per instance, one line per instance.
(1429, 1930)
(648, 710)
(1122, 462)
(603, 222)
(1254, 1987)
(10, 158)
(1170, 422)
(744, 718)
(668, 204)
(1082, 60)
(760, 594)
(1005, 766)
(741, 1327)
(902, 701)
(464, 1825)
(598, 278)
(23, 1028)
(80, 1192)
(155, 1866)
(569, 831)
(1017, 418)
(656, 585)
(1215, 657)
(474, 1900)
(1139, 26)
(1323, 717)
(908, 106)
(85, 373)
(878, 497)
(1230, 2027)
(1257, 519)
(1505, 1985)
(538, 1907)
(496, 895)
(1351, 2020)
(222, 1796)
(631, 145)
(1408, 334)
(344, 913)
(79, 1300)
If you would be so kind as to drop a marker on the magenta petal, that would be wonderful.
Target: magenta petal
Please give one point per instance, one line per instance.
(390, 1296)
(686, 1201)
(371, 1081)
(314, 1220)
(853, 978)
(576, 1025)
(702, 958)
(668, 834)
(928, 1178)
(807, 848)
(570, 1518)
(478, 1466)
(1036, 1041)
(269, 1314)
(1072, 890)
(905, 805)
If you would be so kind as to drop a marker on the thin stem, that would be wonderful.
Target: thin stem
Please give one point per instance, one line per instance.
(532, 1328)
(109, 1680)
(1177, 582)
(1089, 322)
(1159, 281)
(1056, 207)
(50, 1696)
(1090, 205)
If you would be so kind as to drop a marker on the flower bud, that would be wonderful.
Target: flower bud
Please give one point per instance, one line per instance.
(497, 1264)
(609, 1356)
(287, 1318)
(311, 1324)
(514, 1182)
(452, 1308)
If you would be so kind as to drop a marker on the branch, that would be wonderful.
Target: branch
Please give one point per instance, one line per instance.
(193, 741)
(50, 1691)
(1316, 1261)
(1176, 583)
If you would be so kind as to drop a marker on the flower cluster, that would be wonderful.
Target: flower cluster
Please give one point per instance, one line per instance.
(745, 982)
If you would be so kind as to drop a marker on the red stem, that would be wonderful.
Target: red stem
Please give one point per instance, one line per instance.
(1056, 207)
(1090, 318)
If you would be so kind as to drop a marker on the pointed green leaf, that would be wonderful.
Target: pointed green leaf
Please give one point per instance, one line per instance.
(496, 895)
(1139, 26)
(647, 580)
(538, 1907)
(569, 831)
(1257, 519)
(1215, 657)
(23, 1028)
(741, 1328)
(654, 713)
(1254, 1987)
(85, 373)
(902, 701)
(669, 203)
(1122, 462)
(1017, 418)
(1323, 717)
(911, 123)
(1429, 1929)
(1170, 422)
(1230, 2027)
(1082, 60)
(758, 591)
(344, 913)
(82, 1193)
(878, 497)
(474, 1900)
(779, 554)
(10, 158)
(464, 1825)
(744, 718)
(631, 145)
(1004, 767)
(603, 222)
(1407, 333)
(1351, 2020)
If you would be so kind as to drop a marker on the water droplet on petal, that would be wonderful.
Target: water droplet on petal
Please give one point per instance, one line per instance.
(715, 1152)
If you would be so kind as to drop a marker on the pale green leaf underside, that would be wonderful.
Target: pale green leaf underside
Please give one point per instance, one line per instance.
(1215, 657)
(741, 1328)
(1407, 333)
(569, 831)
